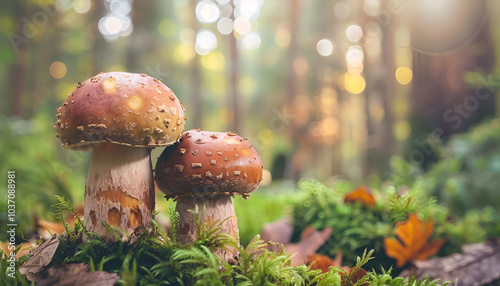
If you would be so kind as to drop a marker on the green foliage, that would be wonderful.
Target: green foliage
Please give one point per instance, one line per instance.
(156, 258)
(357, 227)
(5, 273)
(384, 278)
(466, 176)
(43, 169)
(464, 180)
(263, 206)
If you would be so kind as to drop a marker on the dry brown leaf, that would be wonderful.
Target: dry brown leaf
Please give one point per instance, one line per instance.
(42, 256)
(362, 194)
(478, 264)
(412, 244)
(279, 231)
(310, 241)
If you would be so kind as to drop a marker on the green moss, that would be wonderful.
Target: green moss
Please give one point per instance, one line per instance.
(156, 258)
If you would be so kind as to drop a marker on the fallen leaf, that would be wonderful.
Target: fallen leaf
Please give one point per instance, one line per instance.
(47, 228)
(321, 262)
(75, 274)
(25, 248)
(42, 256)
(310, 241)
(412, 244)
(478, 264)
(362, 194)
(279, 231)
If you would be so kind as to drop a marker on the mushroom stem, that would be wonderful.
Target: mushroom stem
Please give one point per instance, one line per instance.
(119, 189)
(209, 211)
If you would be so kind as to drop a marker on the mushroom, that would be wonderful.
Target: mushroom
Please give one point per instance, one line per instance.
(120, 116)
(204, 170)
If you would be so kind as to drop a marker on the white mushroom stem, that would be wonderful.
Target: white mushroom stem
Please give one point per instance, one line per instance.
(209, 211)
(119, 189)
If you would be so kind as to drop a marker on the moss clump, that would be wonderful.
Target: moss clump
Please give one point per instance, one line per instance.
(155, 257)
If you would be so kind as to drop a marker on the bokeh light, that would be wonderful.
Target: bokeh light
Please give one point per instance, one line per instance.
(117, 22)
(354, 56)
(401, 130)
(207, 11)
(242, 25)
(372, 8)
(354, 83)
(206, 41)
(249, 9)
(226, 10)
(225, 26)
(445, 25)
(82, 6)
(251, 41)
(166, 28)
(112, 25)
(342, 10)
(282, 38)
(404, 75)
(354, 33)
(325, 47)
(57, 70)
(214, 61)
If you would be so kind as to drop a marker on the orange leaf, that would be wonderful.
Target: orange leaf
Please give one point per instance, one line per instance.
(318, 261)
(363, 194)
(412, 244)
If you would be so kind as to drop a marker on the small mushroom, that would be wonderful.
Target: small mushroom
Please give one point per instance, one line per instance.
(119, 189)
(202, 185)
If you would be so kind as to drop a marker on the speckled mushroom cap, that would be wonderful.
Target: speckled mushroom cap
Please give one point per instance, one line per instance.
(122, 108)
(208, 163)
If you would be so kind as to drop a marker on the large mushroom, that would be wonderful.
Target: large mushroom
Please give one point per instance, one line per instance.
(120, 117)
(203, 171)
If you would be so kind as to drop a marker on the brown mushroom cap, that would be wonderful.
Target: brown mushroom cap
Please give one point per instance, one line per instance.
(208, 163)
(122, 108)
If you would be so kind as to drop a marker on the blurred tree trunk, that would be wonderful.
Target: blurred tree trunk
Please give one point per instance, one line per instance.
(293, 168)
(19, 69)
(195, 77)
(441, 101)
(143, 39)
(97, 51)
(235, 112)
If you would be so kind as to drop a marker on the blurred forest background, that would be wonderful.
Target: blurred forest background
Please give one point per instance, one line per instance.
(320, 88)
